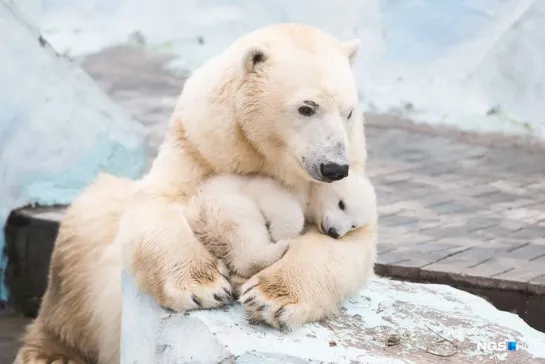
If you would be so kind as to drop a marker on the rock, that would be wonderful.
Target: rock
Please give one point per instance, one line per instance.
(389, 322)
(57, 128)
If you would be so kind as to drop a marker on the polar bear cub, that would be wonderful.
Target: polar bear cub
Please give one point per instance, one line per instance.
(342, 206)
(247, 221)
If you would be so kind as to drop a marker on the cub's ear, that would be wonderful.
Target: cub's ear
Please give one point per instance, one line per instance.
(351, 48)
(254, 57)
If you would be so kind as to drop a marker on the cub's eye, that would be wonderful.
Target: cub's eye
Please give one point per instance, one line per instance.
(341, 205)
(306, 111)
(349, 115)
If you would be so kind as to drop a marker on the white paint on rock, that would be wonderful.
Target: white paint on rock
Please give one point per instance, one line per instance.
(479, 65)
(57, 128)
(359, 335)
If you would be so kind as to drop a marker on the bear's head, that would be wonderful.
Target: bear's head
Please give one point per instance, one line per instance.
(342, 206)
(297, 99)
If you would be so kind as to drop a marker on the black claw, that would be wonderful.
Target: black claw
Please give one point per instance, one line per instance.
(169, 310)
(250, 318)
(278, 313)
(225, 276)
(248, 300)
(196, 300)
(228, 292)
(248, 290)
(281, 325)
(253, 321)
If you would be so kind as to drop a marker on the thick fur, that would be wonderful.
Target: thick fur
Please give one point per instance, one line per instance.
(238, 114)
(80, 311)
(343, 205)
(245, 221)
(248, 221)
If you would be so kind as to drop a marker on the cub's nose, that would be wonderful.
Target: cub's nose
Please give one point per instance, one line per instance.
(333, 171)
(333, 233)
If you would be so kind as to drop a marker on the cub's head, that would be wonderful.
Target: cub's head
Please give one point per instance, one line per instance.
(342, 206)
(297, 99)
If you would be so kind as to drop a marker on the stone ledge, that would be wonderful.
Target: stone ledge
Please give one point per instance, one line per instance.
(525, 299)
(37, 227)
(30, 236)
(43, 216)
(389, 322)
(451, 278)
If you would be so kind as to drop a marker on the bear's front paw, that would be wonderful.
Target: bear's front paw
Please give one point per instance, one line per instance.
(268, 298)
(204, 285)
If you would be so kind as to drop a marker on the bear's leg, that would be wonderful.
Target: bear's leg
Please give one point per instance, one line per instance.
(310, 282)
(233, 228)
(41, 346)
(167, 261)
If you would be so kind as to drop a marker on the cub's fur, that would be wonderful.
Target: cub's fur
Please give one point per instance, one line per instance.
(247, 221)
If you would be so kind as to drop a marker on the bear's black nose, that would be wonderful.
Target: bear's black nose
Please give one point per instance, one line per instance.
(333, 171)
(333, 233)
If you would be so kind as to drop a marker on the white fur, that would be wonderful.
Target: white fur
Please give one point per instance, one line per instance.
(238, 114)
(357, 196)
(245, 221)
(248, 220)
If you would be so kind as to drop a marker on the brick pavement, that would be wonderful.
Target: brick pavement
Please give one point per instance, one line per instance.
(459, 208)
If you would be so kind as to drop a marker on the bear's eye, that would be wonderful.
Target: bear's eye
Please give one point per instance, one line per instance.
(306, 111)
(341, 205)
(350, 115)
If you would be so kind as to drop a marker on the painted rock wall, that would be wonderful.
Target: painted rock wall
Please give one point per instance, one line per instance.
(57, 128)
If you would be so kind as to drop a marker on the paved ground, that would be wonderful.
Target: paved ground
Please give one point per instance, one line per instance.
(11, 329)
(446, 206)
(449, 206)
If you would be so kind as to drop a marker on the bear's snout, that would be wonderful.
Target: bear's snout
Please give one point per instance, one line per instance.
(333, 233)
(333, 171)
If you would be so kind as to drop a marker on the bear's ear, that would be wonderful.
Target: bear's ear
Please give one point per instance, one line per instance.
(351, 48)
(254, 56)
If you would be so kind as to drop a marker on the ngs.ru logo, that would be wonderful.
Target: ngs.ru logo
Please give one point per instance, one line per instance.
(500, 346)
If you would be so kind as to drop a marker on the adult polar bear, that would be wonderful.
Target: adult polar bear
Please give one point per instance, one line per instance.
(281, 101)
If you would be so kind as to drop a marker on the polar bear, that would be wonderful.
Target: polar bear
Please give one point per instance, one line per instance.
(281, 101)
(247, 221)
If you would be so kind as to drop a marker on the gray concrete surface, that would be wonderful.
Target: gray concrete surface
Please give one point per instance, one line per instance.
(11, 329)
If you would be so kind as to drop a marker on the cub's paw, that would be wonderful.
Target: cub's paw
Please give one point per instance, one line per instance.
(199, 286)
(272, 253)
(287, 226)
(270, 299)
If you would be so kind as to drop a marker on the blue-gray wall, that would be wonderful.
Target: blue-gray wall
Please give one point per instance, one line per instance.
(57, 128)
